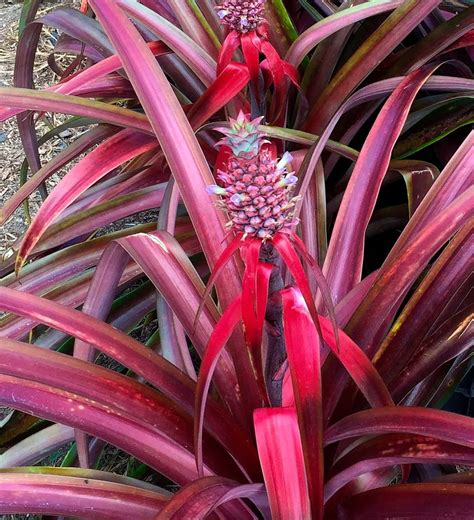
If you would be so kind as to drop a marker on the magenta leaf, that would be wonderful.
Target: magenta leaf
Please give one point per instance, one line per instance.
(199, 498)
(391, 449)
(279, 446)
(116, 344)
(225, 87)
(27, 99)
(181, 149)
(95, 383)
(368, 56)
(439, 424)
(404, 340)
(343, 264)
(110, 154)
(331, 24)
(386, 293)
(64, 496)
(196, 57)
(412, 500)
(144, 442)
(219, 337)
(303, 349)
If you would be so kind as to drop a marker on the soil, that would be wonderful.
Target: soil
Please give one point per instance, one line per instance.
(11, 153)
(10, 147)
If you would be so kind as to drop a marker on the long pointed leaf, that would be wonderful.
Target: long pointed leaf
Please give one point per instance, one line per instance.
(219, 337)
(199, 498)
(191, 53)
(439, 424)
(408, 268)
(93, 382)
(112, 342)
(312, 36)
(388, 450)
(405, 18)
(413, 500)
(303, 346)
(349, 354)
(101, 421)
(88, 221)
(343, 264)
(279, 446)
(61, 495)
(112, 153)
(80, 81)
(418, 316)
(184, 156)
(41, 101)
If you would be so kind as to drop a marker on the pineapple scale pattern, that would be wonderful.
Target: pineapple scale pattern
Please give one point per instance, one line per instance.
(241, 15)
(257, 187)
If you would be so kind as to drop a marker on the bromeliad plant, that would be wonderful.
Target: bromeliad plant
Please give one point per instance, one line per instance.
(311, 384)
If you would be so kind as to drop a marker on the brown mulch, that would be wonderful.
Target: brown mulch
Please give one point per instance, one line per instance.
(11, 153)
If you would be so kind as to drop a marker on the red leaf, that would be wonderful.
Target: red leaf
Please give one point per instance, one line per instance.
(281, 457)
(229, 46)
(225, 256)
(251, 251)
(306, 41)
(65, 495)
(389, 450)
(320, 280)
(275, 66)
(254, 304)
(343, 264)
(439, 424)
(251, 44)
(113, 390)
(303, 348)
(414, 501)
(188, 49)
(178, 142)
(226, 86)
(358, 366)
(110, 424)
(197, 499)
(219, 337)
(351, 356)
(285, 248)
(111, 153)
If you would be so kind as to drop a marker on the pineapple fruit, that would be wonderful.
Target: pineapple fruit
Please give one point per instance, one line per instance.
(256, 187)
(241, 15)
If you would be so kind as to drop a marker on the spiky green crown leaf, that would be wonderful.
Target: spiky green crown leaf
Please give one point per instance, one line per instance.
(243, 136)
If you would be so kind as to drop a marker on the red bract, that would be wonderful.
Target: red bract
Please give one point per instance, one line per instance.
(278, 327)
(249, 34)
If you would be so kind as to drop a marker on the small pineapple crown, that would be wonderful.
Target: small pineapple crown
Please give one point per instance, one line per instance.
(243, 137)
(242, 15)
